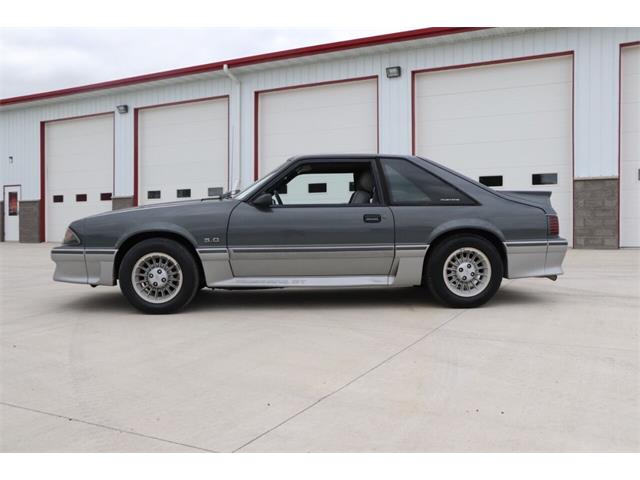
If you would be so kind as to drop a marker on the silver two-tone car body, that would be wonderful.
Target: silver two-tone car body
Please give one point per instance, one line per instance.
(239, 244)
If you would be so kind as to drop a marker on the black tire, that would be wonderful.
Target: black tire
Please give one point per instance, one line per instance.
(435, 275)
(188, 272)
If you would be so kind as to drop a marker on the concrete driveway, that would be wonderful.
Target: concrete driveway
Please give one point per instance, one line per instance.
(545, 366)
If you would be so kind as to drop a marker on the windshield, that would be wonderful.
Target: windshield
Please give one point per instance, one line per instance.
(251, 189)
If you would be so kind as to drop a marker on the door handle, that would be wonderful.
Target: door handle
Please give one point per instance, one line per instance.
(371, 218)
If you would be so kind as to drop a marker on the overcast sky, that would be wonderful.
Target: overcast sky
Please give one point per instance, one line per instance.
(41, 59)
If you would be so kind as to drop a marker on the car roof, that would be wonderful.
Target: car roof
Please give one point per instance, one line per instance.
(345, 156)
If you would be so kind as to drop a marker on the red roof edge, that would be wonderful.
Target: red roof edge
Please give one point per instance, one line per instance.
(244, 61)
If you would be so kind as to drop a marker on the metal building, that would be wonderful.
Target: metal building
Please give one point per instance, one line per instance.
(515, 108)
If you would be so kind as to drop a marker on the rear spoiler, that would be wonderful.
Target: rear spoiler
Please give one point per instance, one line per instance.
(537, 198)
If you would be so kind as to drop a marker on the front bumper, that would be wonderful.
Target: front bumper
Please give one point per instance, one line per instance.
(93, 266)
(535, 258)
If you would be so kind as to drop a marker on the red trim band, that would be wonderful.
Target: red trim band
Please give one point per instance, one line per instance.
(573, 149)
(495, 62)
(42, 183)
(255, 135)
(249, 60)
(135, 157)
(182, 102)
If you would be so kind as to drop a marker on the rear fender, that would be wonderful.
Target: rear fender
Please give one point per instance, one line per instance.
(465, 224)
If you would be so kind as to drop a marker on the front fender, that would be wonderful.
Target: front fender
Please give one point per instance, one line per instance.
(156, 227)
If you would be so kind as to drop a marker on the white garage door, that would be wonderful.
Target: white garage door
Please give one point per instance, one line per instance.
(333, 118)
(630, 147)
(79, 171)
(183, 151)
(507, 124)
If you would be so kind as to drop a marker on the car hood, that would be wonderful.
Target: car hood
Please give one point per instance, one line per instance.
(179, 204)
(193, 219)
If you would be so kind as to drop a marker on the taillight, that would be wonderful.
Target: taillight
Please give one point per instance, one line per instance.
(553, 227)
(70, 238)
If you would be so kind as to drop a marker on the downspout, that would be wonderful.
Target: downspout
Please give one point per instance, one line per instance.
(225, 69)
(236, 82)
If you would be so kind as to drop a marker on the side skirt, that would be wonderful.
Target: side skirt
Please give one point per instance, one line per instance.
(406, 271)
(315, 282)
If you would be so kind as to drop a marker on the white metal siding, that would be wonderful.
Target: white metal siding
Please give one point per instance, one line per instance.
(510, 119)
(183, 146)
(78, 160)
(630, 148)
(335, 118)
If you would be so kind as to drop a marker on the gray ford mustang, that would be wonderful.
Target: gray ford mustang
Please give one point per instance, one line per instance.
(322, 221)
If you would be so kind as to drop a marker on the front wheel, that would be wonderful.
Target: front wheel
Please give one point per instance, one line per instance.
(464, 271)
(159, 276)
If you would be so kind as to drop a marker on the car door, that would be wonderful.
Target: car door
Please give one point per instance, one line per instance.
(318, 230)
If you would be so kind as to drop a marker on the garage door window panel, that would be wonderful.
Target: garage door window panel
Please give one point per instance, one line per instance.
(491, 180)
(544, 179)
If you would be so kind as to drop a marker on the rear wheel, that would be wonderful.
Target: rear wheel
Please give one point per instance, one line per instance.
(159, 276)
(464, 271)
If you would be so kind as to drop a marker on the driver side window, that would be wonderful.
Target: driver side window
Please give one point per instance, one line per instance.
(326, 184)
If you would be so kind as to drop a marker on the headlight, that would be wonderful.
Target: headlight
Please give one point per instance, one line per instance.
(70, 238)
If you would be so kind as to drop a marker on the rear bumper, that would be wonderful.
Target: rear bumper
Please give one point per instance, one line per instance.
(93, 266)
(535, 258)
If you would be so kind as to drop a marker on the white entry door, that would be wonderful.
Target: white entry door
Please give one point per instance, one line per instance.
(12, 213)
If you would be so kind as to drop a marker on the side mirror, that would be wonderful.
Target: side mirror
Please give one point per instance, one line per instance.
(264, 200)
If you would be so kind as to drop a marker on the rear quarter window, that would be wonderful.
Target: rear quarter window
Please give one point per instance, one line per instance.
(409, 184)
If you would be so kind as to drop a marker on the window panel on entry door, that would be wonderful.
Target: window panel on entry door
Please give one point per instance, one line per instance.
(311, 240)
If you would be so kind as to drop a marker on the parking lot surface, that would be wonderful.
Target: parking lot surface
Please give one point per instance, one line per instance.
(545, 366)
